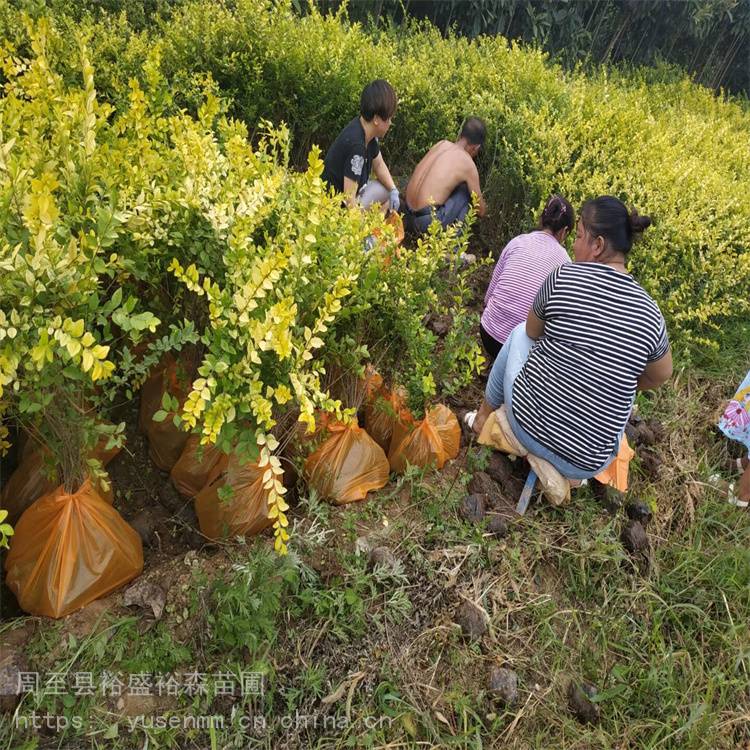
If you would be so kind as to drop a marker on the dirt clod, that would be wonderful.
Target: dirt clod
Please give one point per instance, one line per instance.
(472, 619)
(503, 685)
(497, 525)
(12, 662)
(632, 432)
(579, 702)
(482, 484)
(645, 432)
(170, 498)
(144, 523)
(609, 498)
(645, 435)
(634, 537)
(384, 557)
(639, 511)
(657, 430)
(503, 471)
(473, 508)
(650, 462)
(439, 324)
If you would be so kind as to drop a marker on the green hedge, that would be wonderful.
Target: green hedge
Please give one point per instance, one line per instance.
(668, 147)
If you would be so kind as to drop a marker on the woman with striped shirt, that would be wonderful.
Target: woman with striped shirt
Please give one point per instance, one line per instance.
(524, 264)
(568, 375)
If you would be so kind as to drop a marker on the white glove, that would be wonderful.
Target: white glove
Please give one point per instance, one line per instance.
(395, 200)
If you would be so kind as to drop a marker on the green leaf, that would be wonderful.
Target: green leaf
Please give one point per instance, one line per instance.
(120, 318)
(160, 416)
(611, 692)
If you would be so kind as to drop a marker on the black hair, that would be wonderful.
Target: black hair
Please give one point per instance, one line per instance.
(474, 131)
(608, 217)
(378, 98)
(557, 214)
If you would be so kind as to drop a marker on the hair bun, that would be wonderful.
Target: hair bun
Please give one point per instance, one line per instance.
(639, 223)
(557, 214)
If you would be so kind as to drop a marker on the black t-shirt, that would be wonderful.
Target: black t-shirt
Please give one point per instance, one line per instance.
(350, 157)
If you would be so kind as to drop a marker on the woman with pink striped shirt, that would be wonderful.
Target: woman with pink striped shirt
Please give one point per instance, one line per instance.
(523, 266)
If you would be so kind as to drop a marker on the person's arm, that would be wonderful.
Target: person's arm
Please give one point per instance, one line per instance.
(659, 363)
(383, 173)
(656, 373)
(353, 164)
(483, 413)
(535, 320)
(472, 182)
(534, 325)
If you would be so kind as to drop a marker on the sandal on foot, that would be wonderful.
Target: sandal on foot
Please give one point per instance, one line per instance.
(732, 498)
(723, 486)
(735, 466)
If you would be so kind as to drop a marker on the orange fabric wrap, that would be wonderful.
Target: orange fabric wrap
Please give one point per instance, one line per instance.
(616, 474)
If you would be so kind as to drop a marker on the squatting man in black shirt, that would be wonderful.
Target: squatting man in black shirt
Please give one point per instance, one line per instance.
(356, 152)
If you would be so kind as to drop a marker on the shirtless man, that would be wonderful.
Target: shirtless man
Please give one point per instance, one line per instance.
(443, 182)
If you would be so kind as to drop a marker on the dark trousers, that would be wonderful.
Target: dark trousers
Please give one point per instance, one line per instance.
(453, 210)
(491, 346)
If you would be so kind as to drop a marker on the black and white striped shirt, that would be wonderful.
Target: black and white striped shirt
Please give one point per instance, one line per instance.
(575, 392)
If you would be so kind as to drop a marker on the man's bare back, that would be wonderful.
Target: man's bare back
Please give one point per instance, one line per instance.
(445, 166)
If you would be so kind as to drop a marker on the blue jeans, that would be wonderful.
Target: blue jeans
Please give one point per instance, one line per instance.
(452, 211)
(505, 370)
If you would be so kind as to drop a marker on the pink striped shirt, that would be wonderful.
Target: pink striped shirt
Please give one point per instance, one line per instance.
(524, 264)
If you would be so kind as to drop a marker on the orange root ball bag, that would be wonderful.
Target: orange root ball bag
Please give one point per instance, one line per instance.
(431, 441)
(347, 465)
(69, 550)
(151, 392)
(246, 513)
(165, 441)
(27, 483)
(31, 478)
(371, 383)
(381, 413)
(190, 474)
(397, 224)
